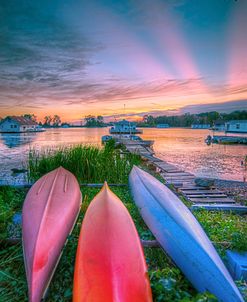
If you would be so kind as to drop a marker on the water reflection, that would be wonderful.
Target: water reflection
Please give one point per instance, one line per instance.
(12, 140)
(183, 147)
(186, 148)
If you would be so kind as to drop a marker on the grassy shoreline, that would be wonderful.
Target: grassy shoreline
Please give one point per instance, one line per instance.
(167, 281)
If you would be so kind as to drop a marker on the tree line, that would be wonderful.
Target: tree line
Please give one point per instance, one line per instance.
(49, 120)
(55, 120)
(187, 119)
(184, 120)
(94, 121)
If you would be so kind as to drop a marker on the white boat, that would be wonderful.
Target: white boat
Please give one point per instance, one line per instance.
(182, 237)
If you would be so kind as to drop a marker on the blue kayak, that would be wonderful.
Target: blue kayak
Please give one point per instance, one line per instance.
(181, 236)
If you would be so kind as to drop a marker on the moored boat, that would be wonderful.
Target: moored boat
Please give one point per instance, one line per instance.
(181, 236)
(124, 127)
(110, 264)
(49, 213)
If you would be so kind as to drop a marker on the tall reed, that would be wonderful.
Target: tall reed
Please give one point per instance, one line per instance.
(89, 164)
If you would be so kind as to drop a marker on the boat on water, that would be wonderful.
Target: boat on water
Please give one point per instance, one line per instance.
(49, 213)
(124, 127)
(182, 237)
(162, 126)
(110, 264)
(226, 139)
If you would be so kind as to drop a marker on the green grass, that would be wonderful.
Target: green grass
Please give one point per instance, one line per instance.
(227, 230)
(94, 165)
(89, 164)
(11, 201)
(167, 281)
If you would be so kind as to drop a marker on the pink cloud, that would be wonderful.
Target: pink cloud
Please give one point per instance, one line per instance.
(238, 45)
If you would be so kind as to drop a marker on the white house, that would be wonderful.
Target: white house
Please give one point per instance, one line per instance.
(239, 126)
(124, 127)
(18, 124)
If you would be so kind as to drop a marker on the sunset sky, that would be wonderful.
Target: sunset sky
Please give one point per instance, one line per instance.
(76, 57)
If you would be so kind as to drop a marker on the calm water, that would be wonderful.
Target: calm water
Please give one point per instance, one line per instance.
(187, 149)
(183, 147)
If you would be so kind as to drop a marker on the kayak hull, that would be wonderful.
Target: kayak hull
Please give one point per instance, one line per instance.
(110, 264)
(181, 236)
(49, 213)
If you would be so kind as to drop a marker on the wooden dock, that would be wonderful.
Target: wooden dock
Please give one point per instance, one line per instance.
(227, 139)
(183, 182)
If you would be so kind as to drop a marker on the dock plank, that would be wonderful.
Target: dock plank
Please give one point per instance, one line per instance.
(237, 208)
(179, 177)
(195, 188)
(196, 192)
(207, 196)
(183, 181)
(170, 171)
(211, 200)
(163, 165)
(179, 180)
(168, 174)
(178, 184)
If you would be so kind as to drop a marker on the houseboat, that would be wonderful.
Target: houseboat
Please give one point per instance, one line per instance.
(237, 126)
(200, 126)
(19, 124)
(124, 127)
(226, 140)
(162, 126)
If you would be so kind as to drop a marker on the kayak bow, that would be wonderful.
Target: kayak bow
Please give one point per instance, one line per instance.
(49, 213)
(110, 264)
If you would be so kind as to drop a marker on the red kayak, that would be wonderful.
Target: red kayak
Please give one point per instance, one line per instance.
(49, 213)
(110, 264)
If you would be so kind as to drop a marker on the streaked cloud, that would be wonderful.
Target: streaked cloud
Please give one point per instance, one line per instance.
(82, 57)
(237, 72)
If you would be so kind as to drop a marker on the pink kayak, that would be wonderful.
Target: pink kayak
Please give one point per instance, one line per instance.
(49, 213)
(110, 264)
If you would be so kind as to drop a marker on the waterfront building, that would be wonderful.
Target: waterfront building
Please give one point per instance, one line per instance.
(162, 126)
(18, 124)
(124, 127)
(200, 126)
(238, 126)
(219, 126)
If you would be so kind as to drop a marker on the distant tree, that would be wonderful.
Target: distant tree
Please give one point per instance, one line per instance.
(47, 120)
(31, 117)
(100, 121)
(100, 118)
(151, 120)
(56, 120)
(186, 120)
(92, 121)
(145, 118)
